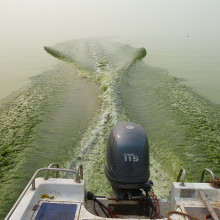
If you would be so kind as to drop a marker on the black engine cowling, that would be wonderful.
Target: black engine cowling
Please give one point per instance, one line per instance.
(127, 160)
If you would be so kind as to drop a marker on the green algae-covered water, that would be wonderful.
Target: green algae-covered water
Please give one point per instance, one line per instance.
(65, 116)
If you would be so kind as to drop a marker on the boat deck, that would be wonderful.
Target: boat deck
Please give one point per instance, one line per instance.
(64, 199)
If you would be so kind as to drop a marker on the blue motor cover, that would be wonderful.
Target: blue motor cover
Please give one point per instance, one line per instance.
(127, 156)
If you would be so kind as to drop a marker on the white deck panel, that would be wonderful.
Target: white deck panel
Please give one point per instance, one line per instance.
(65, 190)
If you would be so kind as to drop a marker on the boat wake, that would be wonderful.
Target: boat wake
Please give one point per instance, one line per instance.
(105, 63)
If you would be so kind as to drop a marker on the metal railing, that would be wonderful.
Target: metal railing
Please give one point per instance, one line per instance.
(32, 182)
(50, 166)
(77, 179)
(203, 174)
(182, 171)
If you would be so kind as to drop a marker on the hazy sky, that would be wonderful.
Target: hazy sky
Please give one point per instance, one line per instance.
(56, 20)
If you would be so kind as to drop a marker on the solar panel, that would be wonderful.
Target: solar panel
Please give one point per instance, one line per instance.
(56, 211)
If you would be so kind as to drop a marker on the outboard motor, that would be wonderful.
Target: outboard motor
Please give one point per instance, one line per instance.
(127, 161)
